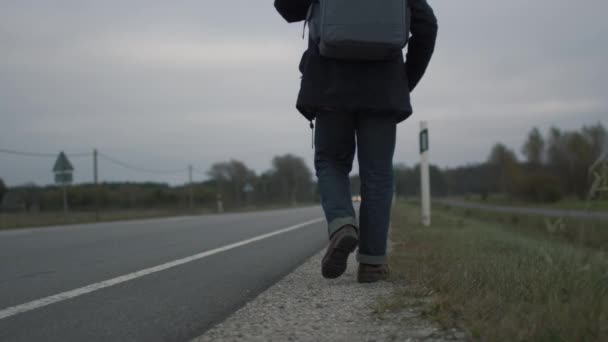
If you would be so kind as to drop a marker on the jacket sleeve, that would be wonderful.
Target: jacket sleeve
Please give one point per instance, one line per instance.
(292, 10)
(421, 45)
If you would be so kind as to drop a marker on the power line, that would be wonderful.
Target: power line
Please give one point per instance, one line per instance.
(80, 155)
(27, 154)
(103, 156)
(42, 155)
(138, 168)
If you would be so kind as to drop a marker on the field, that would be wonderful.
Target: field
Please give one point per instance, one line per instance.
(25, 220)
(502, 280)
(43, 219)
(568, 203)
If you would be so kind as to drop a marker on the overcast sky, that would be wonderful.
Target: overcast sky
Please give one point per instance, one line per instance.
(162, 84)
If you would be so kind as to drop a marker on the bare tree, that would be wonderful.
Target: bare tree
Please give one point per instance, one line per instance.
(597, 137)
(233, 175)
(294, 176)
(534, 148)
(506, 167)
(571, 153)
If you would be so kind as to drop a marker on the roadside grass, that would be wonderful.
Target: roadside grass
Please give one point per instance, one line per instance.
(495, 282)
(21, 220)
(588, 233)
(45, 219)
(567, 203)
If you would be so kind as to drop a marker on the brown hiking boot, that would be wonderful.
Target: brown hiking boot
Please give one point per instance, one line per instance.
(342, 243)
(372, 273)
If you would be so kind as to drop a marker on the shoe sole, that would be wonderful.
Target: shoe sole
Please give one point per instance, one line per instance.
(336, 260)
(372, 276)
(367, 279)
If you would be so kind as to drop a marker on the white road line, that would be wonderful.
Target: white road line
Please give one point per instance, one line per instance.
(36, 304)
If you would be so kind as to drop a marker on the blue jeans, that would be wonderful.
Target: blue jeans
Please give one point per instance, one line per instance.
(337, 137)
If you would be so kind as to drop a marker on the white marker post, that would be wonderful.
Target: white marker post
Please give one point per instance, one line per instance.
(424, 174)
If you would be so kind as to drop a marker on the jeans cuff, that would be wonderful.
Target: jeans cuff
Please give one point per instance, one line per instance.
(338, 223)
(372, 260)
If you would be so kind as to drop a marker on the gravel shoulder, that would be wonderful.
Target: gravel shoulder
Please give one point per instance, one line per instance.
(305, 307)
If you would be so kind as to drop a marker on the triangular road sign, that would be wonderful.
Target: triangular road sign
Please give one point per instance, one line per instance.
(62, 164)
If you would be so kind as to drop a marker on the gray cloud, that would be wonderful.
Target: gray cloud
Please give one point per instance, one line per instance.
(164, 84)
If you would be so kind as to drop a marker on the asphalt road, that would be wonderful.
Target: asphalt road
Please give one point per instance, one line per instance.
(153, 280)
(578, 214)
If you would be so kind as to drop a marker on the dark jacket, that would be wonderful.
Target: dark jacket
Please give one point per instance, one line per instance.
(375, 87)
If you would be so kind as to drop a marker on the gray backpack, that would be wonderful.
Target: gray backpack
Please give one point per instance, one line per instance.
(371, 30)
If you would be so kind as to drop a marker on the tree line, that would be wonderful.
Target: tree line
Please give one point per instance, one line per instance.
(554, 165)
(3, 189)
(288, 181)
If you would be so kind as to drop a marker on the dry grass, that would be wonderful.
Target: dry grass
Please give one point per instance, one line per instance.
(585, 233)
(568, 203)
(497, 283)
(25, 220)
(46, 219)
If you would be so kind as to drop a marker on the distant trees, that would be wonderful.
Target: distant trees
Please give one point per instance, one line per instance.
(439, 182)
(597, 137)
(472, 179)
(3, 190)
(506, 168)
(288, 181)
(231, 178)
(539, 186)
(407, 180)
(294, 176)
(571, 153)
(536, 183)
(534, 148)
(555, 165)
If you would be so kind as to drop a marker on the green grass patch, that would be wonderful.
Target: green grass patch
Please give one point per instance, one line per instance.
(45, 219)
(567, 203)
(497, 283)
(586, 233)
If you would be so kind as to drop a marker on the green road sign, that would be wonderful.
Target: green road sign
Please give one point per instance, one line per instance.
(63, 178)
(63, 170)
(424, 141)
(62, 164)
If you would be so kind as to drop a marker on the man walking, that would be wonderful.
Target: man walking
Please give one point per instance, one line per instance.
(357, 85)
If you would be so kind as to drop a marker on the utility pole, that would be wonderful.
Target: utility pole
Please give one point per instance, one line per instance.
(96, 182)
(424, 174)
(191, 190)
(65, 200)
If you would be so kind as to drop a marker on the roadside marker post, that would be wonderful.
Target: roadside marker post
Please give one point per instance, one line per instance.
(220, 204)
(424, 174)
